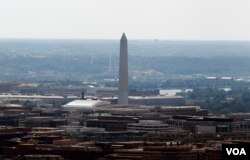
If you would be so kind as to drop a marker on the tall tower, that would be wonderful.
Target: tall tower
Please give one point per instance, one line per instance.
(123, 71)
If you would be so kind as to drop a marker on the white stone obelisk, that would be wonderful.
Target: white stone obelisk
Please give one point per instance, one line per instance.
(123, 71)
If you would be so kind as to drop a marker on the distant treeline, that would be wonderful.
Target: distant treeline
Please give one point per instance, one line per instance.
(80, 66)
(81, 59)
(219, 101)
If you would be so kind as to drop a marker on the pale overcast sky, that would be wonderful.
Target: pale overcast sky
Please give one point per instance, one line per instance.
(140, 19)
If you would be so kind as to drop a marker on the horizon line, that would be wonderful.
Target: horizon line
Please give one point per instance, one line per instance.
(114, 39)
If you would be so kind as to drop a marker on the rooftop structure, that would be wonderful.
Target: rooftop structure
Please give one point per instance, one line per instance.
(148, 126)
(84, 105)
(157, 100)
(20, 96)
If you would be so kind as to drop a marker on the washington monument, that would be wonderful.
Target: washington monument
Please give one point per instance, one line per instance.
(123, 71)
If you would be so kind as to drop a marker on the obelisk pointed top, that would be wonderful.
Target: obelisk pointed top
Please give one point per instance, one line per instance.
(124, 36)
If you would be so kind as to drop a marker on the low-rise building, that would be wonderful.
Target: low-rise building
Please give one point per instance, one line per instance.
(148, 126)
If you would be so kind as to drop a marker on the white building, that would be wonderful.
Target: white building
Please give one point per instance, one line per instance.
(84, 105)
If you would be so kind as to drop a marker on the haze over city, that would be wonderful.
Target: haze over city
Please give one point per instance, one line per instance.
(140, 19)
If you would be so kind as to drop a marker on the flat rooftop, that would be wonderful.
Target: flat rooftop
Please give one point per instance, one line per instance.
(155, 97)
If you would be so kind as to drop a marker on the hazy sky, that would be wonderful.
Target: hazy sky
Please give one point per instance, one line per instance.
(107, 19)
